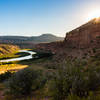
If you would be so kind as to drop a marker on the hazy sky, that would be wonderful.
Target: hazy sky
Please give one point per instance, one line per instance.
(34, 17)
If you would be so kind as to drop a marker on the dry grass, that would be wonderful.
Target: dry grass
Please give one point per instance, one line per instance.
(11, 67)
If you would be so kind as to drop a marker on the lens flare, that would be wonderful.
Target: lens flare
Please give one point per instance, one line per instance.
(94, 14)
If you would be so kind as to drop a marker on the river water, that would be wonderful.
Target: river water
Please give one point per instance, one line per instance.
(21, 58)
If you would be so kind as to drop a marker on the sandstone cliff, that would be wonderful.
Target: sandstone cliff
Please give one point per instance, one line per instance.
(81, 42)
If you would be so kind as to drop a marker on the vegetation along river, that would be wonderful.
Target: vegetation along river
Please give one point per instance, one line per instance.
(21, 58)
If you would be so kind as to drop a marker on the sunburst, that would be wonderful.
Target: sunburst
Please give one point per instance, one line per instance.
(94, 14)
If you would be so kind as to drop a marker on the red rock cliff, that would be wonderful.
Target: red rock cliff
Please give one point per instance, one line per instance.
(80, 42)
(85, 35)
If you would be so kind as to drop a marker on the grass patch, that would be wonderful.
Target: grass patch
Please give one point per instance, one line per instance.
(14, 55)
(11, 67)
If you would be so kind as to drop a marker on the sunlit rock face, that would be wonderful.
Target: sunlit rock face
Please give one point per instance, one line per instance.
(97, 20)
(85, 36)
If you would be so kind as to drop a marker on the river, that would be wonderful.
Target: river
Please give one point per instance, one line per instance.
(21, 58)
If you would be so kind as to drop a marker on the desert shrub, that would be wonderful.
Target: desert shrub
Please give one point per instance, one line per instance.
(91, 41)
(97, 36)
(5, 76)
(40, 81)
(91, 96)
(74, 79)
(24, 81)
(94, 50)
(59, 90)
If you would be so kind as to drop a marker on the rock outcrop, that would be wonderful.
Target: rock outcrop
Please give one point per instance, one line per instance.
(81, 42)
(85, 36)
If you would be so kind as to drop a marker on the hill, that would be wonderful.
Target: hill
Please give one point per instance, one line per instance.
(81, 42)
(6, 49)
(29, 42)
(45, 38)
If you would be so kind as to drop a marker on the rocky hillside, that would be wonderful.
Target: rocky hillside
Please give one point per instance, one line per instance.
(85, 36)
(81, 42)
(6, 49)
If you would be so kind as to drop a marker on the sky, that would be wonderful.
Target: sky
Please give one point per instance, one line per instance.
(36, 17)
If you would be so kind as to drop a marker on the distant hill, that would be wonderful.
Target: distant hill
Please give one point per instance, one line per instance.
(81, 42)
(24, 41)
(45, 38)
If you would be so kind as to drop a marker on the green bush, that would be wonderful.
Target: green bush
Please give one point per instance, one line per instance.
(5, 76)
(24, 81)
(91, 96)
(74, 79)
(94, 50)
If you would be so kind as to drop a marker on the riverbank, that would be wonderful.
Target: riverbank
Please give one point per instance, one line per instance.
(11, 64)
(21, 55)
(32, 59)
(13, 55)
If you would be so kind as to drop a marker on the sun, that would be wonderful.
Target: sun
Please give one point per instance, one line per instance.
(94, 14)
